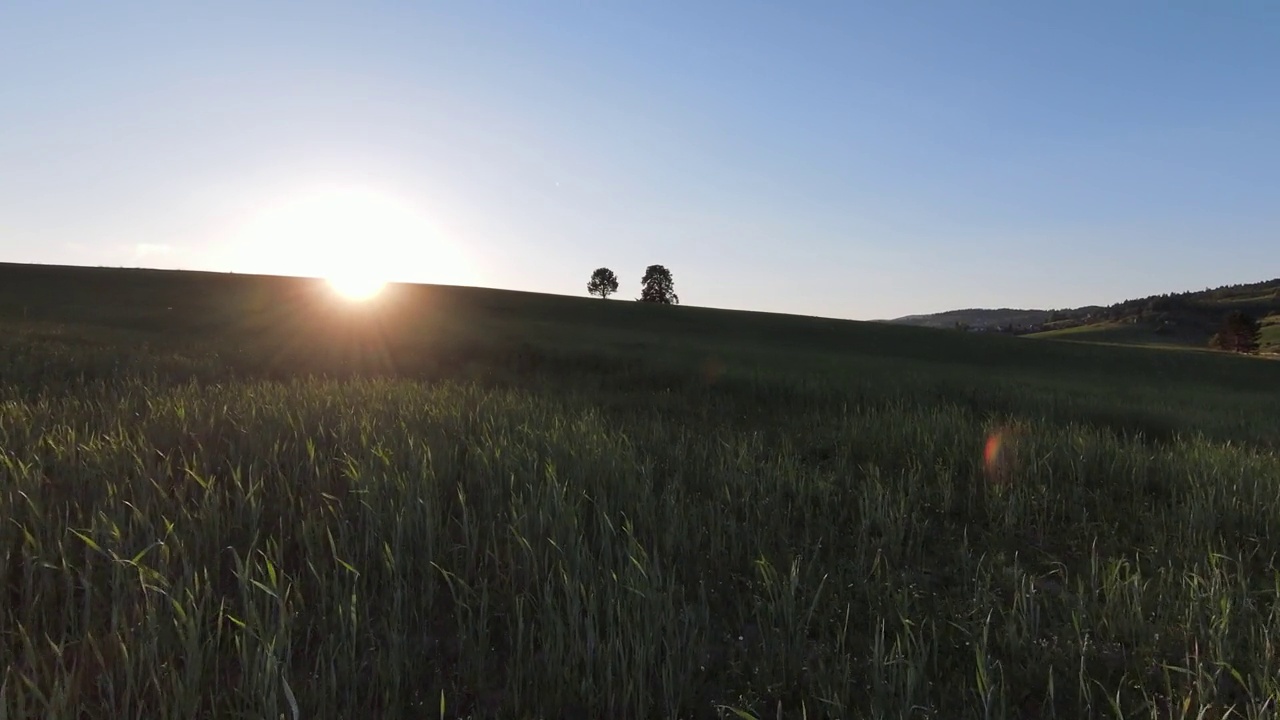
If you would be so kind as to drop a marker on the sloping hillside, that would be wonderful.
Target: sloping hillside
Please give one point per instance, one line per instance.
(478, 484)
(977, 318)
(1188, 318)
(281, 325)
(1174, 319)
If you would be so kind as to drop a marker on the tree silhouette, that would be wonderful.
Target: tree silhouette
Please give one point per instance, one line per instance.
(603, 283)
(657, 286)
(1240, 333)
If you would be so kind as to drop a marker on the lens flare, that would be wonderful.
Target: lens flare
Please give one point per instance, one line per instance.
(992, 453)
(998, 456)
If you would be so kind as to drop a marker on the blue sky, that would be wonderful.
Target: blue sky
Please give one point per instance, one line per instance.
(849, 159)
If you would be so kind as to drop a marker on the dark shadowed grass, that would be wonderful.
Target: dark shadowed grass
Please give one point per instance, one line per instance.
(541, 507)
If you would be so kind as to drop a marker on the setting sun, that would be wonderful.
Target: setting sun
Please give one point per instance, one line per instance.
(356, 287)
(356, 239)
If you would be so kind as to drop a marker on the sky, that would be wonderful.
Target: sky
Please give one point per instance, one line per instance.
(848, 159)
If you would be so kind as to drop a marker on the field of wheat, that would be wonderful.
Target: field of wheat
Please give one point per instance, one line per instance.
(220, 504)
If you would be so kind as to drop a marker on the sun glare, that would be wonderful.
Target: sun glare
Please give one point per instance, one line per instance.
(356, 287)
(356, 239)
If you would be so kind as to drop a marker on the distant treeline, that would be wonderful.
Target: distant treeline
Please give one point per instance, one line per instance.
(1208, 305)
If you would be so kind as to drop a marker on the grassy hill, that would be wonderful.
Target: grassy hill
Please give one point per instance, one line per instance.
(1185, 319)
(1129, 333)
(1271, 332)
(977, 318)
(239, 496)
(1195, 337)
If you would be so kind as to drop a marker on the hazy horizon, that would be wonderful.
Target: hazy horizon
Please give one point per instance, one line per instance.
(858, 161)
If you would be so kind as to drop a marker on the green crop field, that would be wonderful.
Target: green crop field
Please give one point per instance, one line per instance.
(239, 497)
(1118, 333)
(1128, 334)
(1270, 336)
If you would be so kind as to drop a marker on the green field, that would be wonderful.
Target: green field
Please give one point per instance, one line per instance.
(1143, 334)
(1179, 320)
(1270, 340)
(234, 496)
(1121, 333)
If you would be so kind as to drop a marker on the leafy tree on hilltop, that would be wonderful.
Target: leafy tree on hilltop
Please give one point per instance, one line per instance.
(603, 283)
(657, 286)
(1240, 333)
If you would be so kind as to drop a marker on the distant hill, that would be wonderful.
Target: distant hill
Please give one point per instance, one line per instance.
(1180, 319)
(976, 318)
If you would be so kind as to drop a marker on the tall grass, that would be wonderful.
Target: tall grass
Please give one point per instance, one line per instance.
(368, 545)
(532, 529)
